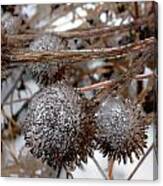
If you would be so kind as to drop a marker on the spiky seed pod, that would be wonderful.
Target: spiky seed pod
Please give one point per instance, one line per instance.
(57, 127)
(121, 127)
(47, 42)
(45, 73)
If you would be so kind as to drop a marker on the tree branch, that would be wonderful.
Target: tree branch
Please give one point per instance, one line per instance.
(86, 33)
(77, 55)
(140, 162)
(109, 83)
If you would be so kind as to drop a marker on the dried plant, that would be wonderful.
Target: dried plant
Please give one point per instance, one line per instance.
(122, 131)
(75, 89)
(57, 125)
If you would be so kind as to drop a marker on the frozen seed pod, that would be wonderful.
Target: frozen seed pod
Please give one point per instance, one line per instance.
(57, 129)
(47, 42)
(45, 73)
(122, 131)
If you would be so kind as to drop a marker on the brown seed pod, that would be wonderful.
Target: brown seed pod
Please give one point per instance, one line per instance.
(57, 129)
(45, 73)
(121, 127)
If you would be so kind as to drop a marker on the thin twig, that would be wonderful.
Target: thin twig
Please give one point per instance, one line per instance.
(20, 73)
(25, 105)
(17, 101)
(99, 168)
(103, 31)
(13, 127)
(156, 152)
(59, 171)
(13, 155)
(110, 169)
(99, 85)
(89, 32)
(136, 10)
(109, 83)
(140, 162)
(145, 76)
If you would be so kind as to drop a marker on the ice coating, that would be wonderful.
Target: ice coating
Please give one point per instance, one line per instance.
(44, 73)
(121, 128)
(55, 129)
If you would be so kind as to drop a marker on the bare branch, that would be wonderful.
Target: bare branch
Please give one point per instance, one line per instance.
(110, 169)
(78, 55)
(140, 162)
(109, 83)
(86, 33)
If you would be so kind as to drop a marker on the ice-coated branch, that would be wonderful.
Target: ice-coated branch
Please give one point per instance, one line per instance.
(78, 55)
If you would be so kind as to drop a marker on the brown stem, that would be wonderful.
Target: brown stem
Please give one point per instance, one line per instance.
(144, 76)
(86, 33)
(136, 10)
(100, 85)
(109, 83)
(110, 169)
(77, 55)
